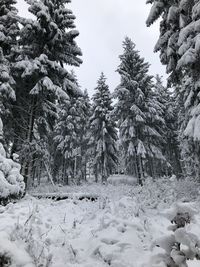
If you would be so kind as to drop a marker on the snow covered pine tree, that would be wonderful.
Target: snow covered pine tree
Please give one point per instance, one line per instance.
(179, 46)
(46, 45)
(103, 132)
(71, 140)
(9, 31)
(139, 115)
(170, 112)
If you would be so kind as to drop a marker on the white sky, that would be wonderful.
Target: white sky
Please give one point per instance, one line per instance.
(103, 24)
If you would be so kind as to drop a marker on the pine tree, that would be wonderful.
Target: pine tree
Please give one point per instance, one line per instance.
(168, 39)
(8, 27)
(85, 111)
(169, 113)
(187, 147)
(47, 45)
(71, 139)
(179, 51)
(139, 114)
(66, 141)
(71, 136)
(103, 131)
(9, 32)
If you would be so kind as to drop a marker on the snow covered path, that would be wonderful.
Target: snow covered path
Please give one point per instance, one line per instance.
(113, 231)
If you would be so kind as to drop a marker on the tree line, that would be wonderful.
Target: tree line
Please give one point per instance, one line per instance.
(59, 132)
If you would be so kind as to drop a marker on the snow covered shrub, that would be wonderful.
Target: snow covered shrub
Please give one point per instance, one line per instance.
(154, 193)
(11, 181)
(37, 245)
(187, 189)
(182, 245)
(181, 219)
(13, 253)
(165, 191)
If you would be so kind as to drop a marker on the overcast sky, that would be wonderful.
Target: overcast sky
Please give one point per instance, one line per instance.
(103, 24)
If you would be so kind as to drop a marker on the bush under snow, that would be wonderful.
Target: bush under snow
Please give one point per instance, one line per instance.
(11, 181)
(164, 192)
(182, 244)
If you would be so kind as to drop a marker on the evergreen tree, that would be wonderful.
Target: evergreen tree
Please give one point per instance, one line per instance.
(167, 42)
(85, 111)
(139, 115)
(103, 132)
(9, 31)
(46, 45)
(71, 138)
(187, 147)
(179, 51)
(66, 141)
(169, 113)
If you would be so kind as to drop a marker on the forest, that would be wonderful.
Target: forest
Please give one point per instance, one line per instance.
(124, 163)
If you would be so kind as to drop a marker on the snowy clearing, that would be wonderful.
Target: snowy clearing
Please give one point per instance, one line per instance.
(116, 230)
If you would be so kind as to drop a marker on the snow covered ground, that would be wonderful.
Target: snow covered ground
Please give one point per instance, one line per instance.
(117, 230)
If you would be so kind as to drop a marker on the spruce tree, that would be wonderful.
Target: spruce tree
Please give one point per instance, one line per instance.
(103, 132)
(9, 32)
(71, 140)
(66, 141)
(139, 115)
(47, 44)
(8, 27)
(169, 113)
(167, 43)
(85, 111)
(179, 51)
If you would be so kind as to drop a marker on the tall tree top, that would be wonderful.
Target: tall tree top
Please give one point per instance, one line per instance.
(133, 69)
(102, 96)
(53, 33)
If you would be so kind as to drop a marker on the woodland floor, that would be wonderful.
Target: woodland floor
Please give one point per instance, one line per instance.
(117, 229)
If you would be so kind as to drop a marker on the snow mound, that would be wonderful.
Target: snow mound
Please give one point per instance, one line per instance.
(179, 208)
(14, 252)
(122, 179)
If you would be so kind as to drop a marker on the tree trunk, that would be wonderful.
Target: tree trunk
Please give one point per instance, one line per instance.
(96, 174)
(27, 161)
(138, 167)
(141, 170)
(49, 174)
